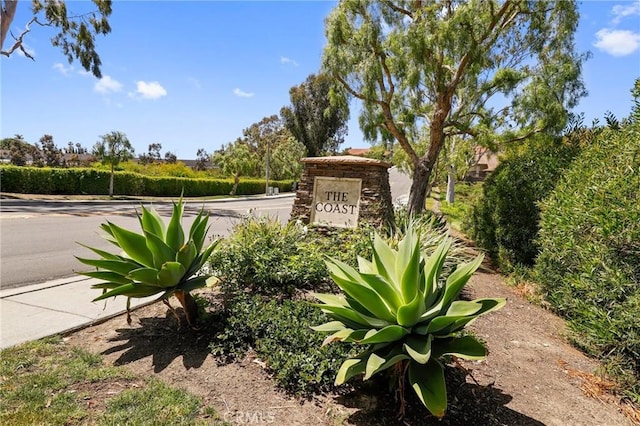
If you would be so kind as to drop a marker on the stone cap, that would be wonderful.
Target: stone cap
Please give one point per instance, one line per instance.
(346, 159)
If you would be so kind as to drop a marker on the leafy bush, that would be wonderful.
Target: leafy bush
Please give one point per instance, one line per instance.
(280, 334)
(406, 316)
(589, 265)
(504, 221)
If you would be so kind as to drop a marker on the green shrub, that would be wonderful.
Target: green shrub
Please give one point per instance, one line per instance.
(504, 220)
(280, 333)
(589, 265)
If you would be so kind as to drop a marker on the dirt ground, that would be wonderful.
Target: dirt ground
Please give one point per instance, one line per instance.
(531, 376)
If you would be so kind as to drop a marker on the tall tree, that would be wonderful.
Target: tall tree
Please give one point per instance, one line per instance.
(202, 159)
(492, 70)
(152, 155)
(111, 149)
(51, 154)
(236, 160)
(170, 157)
(285, 159)
(313, 119)
(76, 32)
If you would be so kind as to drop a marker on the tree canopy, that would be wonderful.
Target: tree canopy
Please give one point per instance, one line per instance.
(111, 149)
(491, 70)
(76, 32)
(319, 124)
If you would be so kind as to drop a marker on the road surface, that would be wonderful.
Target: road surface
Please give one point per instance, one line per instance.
(39, 239)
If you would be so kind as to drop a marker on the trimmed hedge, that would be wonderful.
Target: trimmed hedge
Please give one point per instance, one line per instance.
(71, 181)
(589, 265)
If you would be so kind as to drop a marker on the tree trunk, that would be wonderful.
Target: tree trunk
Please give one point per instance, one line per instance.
(111, 182)
(451, 183)
(7, 13)
(189, 306)
(419, 188)
(236, 181)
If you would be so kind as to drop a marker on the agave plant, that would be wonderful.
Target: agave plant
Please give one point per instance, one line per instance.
(160, 260)
(408, 318)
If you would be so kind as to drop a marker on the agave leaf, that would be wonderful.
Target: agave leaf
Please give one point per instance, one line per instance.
(194, 283)
(458, 279)
(151, 222)
(409, 315)
(170, 274)
(464, 308)
(148, 276)
(390, 333)
(390, 359)
(133, 244)
(384, 259)
(365, 296)
(199, 229)
(160, 250)
(465, 347)
(351, 367)
(366, 267)
(345, 335)
(201, 259)
(129, 290)
(104, 254)
(329, 326)
(175, 234)
(121, 267)
(330, 299)
(187, 254)
(107, 276)
(408, 266)
(387, 291)
(419, 349)
(427, 380)
(350, 317)
(432, 270)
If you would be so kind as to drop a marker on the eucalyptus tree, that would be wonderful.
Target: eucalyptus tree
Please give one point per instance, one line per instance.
(76, 31)
(491, 70)
(319, 124)
(236, 160)
(111, 149)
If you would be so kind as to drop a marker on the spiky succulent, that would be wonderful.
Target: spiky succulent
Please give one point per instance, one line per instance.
(407, 317)
(160, 260)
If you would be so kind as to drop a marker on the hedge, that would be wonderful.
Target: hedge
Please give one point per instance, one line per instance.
(73, 181)
(589, 264)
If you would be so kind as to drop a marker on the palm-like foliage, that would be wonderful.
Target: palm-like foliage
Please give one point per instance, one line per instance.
(407, 317)
(160, 260)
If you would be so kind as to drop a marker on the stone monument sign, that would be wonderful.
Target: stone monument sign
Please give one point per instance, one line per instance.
(343, 191)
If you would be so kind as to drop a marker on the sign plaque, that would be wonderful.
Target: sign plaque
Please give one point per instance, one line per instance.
(336, 201)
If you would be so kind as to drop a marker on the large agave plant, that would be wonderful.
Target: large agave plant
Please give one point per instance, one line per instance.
(160, 260)
(406, 316)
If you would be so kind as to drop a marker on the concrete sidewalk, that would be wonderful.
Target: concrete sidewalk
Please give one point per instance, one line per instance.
(39, 310)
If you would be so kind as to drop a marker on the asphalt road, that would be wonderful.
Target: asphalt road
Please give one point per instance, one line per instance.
(38, 239)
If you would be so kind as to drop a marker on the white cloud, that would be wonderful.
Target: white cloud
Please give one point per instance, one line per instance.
(617, 42)
(150, 90)
(285, 60)
(620, 11)
(107, 84)
(62, 69)
(242, 94)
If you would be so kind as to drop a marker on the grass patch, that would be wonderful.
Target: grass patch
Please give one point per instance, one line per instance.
(50, 382)
(458, 211)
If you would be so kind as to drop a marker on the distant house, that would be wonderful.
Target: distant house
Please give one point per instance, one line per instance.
(360, 152)
(486, 162)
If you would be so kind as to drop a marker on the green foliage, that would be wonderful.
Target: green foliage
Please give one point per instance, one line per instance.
(313, 119)
(504, 221)
(503, 70)
(280, 334)
(589, 265)
(95, 181)
(406, 316)
(163, 259)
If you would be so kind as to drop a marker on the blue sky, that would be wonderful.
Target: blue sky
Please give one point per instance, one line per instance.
(194, 74)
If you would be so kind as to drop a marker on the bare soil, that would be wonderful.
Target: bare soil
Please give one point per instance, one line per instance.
(531, 376)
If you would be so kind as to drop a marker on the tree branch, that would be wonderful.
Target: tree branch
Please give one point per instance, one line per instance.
(18, 44)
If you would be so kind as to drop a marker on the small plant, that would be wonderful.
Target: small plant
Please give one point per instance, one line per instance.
(406, 316)
(160, 260)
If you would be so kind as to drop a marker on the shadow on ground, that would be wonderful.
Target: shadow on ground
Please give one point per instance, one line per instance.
(162, 339)
(468, 404)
